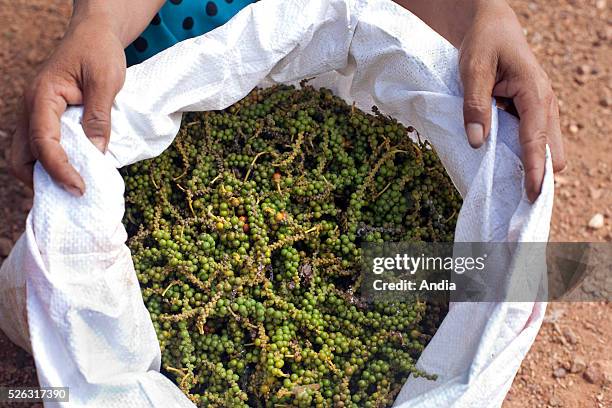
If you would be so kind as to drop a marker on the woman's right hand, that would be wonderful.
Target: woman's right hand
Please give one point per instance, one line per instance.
(87, 68)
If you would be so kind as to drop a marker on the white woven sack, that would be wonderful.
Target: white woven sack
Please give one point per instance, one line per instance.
(72, 276)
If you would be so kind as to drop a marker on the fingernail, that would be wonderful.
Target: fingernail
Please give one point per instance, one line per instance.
(563, 170)
(532, 197)
(75, 191)
(475, 134)
(99, 142)
(532, 194)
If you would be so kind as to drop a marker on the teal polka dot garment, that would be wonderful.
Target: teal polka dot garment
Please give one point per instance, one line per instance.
(181, 19)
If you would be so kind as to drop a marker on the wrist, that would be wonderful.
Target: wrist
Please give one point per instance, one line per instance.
(99, 16)
(453, 18)
(462, 15)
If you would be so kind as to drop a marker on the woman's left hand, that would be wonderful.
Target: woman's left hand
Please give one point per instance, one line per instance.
(495, 60)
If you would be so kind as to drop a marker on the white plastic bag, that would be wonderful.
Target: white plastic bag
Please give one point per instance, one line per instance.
(73, 276)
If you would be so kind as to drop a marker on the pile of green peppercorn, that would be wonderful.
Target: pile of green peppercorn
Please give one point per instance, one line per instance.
(245, 236)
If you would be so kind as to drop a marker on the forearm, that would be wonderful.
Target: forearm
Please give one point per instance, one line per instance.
(452, 18)
(124, 18)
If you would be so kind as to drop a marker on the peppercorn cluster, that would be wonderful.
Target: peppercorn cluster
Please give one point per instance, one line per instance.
(246, 234)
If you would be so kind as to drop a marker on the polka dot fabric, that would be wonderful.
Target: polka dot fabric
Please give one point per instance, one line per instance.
(181, 19)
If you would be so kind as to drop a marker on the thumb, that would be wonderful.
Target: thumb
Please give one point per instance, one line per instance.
(98, 97)
(478, 77)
